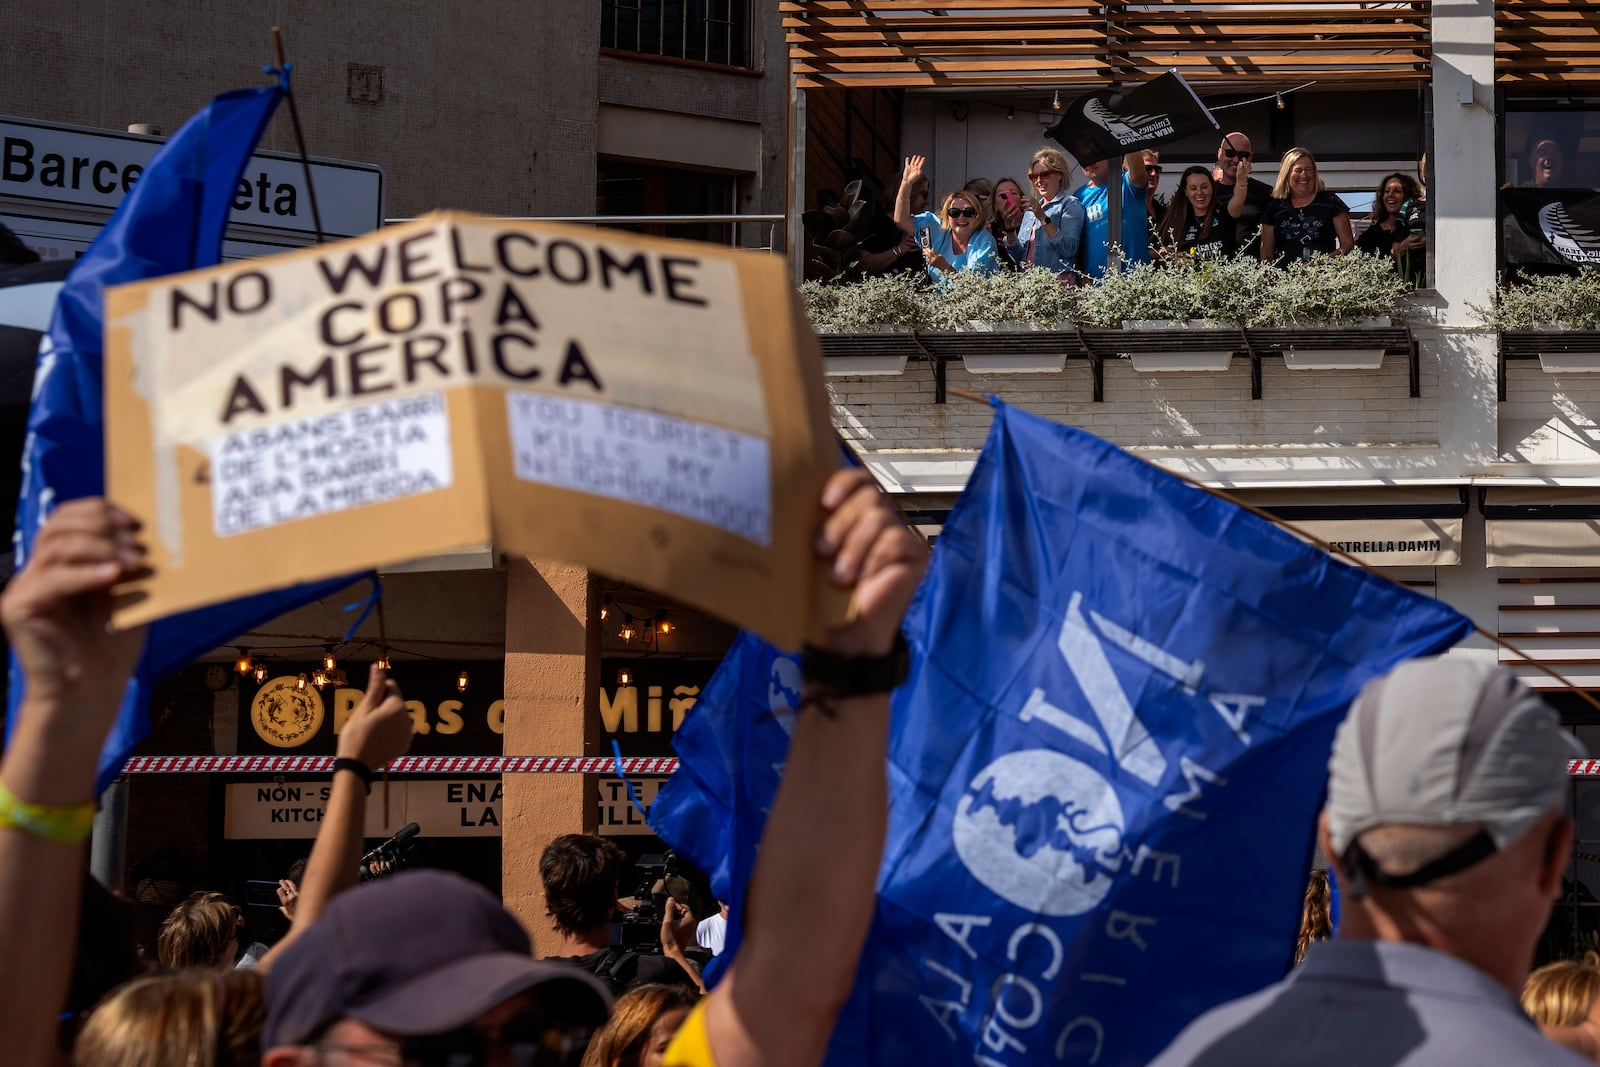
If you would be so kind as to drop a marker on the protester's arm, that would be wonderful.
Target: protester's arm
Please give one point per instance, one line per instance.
(1133, 167)
(1344, 235)
(1241, 189)
(56, 614)
(902, 199)
(811, 899)
(677, 934)
(376, 732)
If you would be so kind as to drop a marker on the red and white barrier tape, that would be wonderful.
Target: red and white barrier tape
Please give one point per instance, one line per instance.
(457, 765)
(1578, 768)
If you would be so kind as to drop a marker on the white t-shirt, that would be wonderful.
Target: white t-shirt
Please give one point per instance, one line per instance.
(711, 932)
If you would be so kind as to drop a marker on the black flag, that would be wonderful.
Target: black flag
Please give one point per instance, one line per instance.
(1559, 227)
(1114, 122)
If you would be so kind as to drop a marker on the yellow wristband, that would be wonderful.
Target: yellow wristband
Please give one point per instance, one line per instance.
(66, 823)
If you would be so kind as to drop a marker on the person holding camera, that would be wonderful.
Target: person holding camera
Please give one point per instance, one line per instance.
(582, 874)
(1398, 227)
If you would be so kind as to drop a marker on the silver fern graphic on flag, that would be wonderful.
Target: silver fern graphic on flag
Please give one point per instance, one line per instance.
(1124, 128)
(1575, 243)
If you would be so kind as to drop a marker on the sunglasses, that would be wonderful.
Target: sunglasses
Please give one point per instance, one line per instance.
(1041, 175)
(963, 212)
(1153, 171)
(1231, 154)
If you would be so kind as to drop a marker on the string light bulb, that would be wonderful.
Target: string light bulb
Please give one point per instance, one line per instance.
(624, 677)
(663, 624)
(1055, 104)
(1280, 100)
(328, 662)
(383, 661)
(243, 664)
(605, 607)
(461, 682)
(319, 678)
(300, 683)
(260, 672)
(627, 631)
(1011, 112)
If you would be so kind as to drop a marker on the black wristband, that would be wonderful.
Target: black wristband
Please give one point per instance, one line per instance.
(857, 676)
(356, 767)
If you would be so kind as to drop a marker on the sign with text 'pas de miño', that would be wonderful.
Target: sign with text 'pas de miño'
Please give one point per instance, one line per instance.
(651, 409)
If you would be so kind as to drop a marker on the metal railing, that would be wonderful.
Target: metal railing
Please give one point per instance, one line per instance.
(733, 222)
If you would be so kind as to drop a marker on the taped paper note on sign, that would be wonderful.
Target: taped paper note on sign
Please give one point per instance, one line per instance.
(321, 464)
(706, 473)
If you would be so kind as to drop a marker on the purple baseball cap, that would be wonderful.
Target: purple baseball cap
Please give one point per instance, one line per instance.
(422, 952)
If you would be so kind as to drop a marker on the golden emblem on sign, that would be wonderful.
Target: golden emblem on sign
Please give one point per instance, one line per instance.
(285, 715)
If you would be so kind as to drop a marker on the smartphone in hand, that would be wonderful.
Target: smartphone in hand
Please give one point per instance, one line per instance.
(261, 894)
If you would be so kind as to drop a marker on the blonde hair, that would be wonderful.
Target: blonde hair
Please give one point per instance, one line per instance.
(1280, 189)
(1316, 918)
(620, 1043)
(176, 1019)
(1054, 159)
(196, 933)
(1561, 994)
(972, 201)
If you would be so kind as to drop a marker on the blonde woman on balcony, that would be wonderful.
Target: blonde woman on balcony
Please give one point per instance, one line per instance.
(1303, 217)
(957, 238)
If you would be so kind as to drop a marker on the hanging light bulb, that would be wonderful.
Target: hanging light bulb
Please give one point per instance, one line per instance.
(605, 607)
(461, 682)
(319, 678)
(1280, 100)
(663, 624)
(300, 683)
(243, 664)
(383, 660)
(627, 631)
(328, 662)
(624, 677)
(260, 672)
(1011, 112)
(1055, 104)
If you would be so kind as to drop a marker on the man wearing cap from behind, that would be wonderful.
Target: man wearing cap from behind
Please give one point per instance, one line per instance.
(426, 969)
(1444, 821)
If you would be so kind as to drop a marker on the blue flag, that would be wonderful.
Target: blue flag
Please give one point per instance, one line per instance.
(173, 220)
(731, 750)
(1107, 764)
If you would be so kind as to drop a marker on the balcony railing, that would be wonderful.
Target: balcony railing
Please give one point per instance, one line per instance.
(997, 43)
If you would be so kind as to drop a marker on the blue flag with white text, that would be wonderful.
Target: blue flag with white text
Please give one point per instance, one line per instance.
(173, 220)
(731, 749)
(1106, 766)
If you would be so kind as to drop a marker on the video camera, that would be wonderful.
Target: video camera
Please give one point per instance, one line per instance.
(395, 854)
(662, 875)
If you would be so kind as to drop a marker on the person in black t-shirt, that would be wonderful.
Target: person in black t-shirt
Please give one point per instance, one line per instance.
(1396, 229)
(1243, 197)
(1196, 223)
(1303, 218)
(581, 875)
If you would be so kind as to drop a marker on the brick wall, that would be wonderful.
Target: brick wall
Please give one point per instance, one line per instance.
(1549, 418)
(1300, 410)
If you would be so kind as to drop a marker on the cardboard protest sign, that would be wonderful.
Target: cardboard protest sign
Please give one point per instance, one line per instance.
(650, 409)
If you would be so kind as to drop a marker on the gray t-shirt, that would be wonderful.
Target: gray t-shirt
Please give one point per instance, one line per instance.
(1369, 1002)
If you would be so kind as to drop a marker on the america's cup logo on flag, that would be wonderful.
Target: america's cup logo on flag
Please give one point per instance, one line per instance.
(1114, 122)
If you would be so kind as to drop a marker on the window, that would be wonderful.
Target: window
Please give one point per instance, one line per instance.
(709, 31)
(1549, 169)
(648, 189)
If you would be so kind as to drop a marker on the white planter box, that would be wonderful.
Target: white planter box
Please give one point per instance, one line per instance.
(1205, 361)
(1569, 362)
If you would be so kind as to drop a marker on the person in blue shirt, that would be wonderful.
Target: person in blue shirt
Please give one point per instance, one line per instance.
(1093, 195)
(1051, 226)
(957, 238)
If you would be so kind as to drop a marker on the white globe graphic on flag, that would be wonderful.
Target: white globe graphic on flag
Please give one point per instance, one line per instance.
(783, 691)
(1041, 830)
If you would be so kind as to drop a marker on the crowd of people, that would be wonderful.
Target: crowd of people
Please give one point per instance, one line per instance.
(1059, 219)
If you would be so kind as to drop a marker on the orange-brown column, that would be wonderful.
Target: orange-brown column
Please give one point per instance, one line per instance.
(552, 667)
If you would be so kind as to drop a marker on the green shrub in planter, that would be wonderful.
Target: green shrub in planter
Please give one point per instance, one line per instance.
(1333, 291)
(888, 302)
(1003, 299)
(1542, 301)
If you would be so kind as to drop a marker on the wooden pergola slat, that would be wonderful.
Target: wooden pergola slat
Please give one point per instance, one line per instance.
(1538, 42)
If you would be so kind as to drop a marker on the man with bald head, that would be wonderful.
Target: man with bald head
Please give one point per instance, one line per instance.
(1245, 197)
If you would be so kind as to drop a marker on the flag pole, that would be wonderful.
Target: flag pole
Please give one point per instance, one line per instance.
(1332, 550)
(311, 190)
